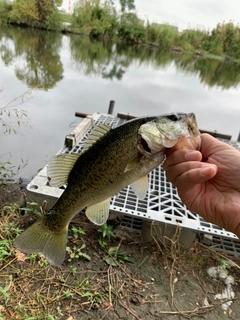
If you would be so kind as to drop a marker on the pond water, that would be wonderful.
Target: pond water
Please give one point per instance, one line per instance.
(70, 73)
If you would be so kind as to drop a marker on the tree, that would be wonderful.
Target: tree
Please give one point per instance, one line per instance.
(42, 67)
(95, 18)
(24, 11)
(127, 5)
(33, 11)
(46, 7)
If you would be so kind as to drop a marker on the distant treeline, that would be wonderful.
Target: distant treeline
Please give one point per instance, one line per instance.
(101, 20)
(43, 67)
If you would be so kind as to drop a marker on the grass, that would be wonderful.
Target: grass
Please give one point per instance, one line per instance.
(32, 289)
(98, 278)
(214, 56)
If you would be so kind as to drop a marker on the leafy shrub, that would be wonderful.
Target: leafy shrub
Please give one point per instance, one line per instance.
(94, 18)
(53, 21)
(5, 9)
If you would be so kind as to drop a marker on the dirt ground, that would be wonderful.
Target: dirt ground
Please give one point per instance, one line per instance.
(162, 281)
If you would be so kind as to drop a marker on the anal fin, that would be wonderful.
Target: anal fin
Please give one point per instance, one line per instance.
(98, 213)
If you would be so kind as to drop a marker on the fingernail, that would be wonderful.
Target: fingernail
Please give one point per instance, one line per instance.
(192, 155)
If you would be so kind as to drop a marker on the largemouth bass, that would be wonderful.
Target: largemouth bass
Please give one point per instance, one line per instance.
(111, 160)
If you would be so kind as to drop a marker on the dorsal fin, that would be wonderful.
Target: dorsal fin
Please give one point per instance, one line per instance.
(59, 168)
(97, 132)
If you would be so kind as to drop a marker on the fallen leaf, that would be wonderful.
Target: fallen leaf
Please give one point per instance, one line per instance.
(12, 314)
(20, 256)
(105, 304)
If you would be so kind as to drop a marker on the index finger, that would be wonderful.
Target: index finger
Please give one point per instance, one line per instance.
(181, 155)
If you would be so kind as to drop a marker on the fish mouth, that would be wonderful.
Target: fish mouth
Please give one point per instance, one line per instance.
(152, 152)
(145, 145)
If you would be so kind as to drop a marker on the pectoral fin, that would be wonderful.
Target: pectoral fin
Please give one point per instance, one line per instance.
(59, 168)
(133, 163)
(140, 187)
(98, 213)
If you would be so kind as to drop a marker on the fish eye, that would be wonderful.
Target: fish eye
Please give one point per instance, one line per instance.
(172, 117)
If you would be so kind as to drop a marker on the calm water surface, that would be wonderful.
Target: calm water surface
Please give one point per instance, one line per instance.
(71, 73)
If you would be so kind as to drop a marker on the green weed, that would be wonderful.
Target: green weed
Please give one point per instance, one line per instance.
(37, 258)
(119, 255)
(76, 253)
(106, 231)
(12, 117)
(8, 233)
(77, 231)
(102, 243)
(8, 171)
(4, 295)
(223, 264)
(5, 249)
(73, 269)
(93, 297)
(34, 207)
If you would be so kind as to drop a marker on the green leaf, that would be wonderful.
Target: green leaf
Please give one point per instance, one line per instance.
(84, 255)
(26, 209)
(102, 243)
(78, 230)
(110, 261)
(112, 250)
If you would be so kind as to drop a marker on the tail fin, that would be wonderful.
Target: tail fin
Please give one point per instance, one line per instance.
(38, 238)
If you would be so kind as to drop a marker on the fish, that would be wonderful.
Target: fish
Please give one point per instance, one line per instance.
(110, 161)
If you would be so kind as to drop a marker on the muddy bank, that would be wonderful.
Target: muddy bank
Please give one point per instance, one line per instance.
(12, 193)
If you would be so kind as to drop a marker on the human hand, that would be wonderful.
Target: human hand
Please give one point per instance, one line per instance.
(208, 181)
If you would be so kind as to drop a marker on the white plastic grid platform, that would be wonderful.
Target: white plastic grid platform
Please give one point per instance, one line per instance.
(226, 245)
(161, 203)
